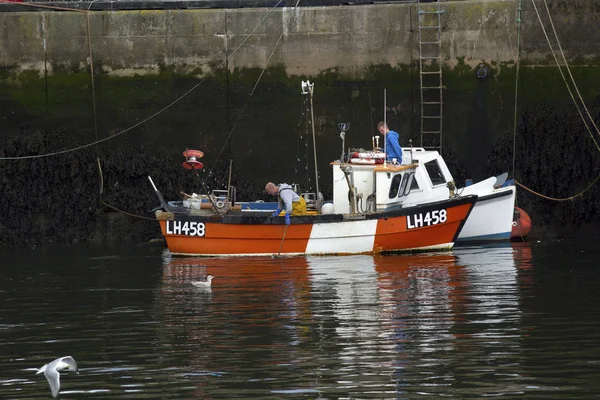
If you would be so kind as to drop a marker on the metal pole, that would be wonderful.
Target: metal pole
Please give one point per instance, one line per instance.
(312, 117)
(229, 196)
(385, 127)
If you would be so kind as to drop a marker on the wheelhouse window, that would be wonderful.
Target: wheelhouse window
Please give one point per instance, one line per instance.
(406, 187)
(414, 185)
(403, 184)
(395, 185)
(435, 173)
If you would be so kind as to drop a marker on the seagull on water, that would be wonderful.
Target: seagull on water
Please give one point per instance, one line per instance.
(205, 283)
(52, 372)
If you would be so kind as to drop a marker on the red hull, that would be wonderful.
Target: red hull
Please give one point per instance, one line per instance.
(434, 226)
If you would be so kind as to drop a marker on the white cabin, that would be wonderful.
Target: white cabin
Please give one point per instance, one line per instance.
(362, 188)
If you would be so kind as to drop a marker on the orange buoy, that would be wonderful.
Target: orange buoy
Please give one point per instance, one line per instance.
(191, 159)
(521, 224)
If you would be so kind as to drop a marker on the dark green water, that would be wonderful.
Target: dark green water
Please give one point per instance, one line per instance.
(517, 321)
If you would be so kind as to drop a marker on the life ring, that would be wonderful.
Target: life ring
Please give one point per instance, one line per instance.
(368, 154)
(367, 157)
(368, 161)
(482, 72)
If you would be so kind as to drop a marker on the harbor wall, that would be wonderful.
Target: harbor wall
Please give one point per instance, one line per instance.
(227, 81)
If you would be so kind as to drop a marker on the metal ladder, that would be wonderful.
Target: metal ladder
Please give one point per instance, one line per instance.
(430, 74)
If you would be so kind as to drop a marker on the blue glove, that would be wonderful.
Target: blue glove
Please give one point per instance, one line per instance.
(287, 219)
(276, 213)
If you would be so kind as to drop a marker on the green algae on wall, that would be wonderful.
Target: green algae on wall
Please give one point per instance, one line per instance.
(264, 129)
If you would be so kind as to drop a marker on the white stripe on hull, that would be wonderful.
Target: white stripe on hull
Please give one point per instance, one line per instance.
(490, 217)
(342, 237)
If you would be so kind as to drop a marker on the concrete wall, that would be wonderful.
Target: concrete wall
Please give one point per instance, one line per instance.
(313, 39)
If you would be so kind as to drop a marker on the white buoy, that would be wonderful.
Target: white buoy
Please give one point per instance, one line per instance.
(327, 208)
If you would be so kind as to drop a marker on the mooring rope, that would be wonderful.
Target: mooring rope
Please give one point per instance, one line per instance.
(125, 212)
(101, 178)
(561, 199)
(242, 111)
(572, 98)
(569, 69)
(24, 4)
(245, 104)
(517, 85)
(98, 141)
(562, 73)
(177, 100)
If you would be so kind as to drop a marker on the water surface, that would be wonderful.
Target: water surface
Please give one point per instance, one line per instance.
(514, 320)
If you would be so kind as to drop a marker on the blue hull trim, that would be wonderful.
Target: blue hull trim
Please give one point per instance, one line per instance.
(485, 238)
(266, 206)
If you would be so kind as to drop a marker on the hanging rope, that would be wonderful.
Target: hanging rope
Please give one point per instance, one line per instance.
(251, 92)
(561, 199)
(241, 113)
(585, 122)
(94, 98)
(42, 6)
(562, 73)
(177, 100)
(125, 212)
(97, 141)
(516, 85)
(300, 138)
(245, 104)
(569, 69)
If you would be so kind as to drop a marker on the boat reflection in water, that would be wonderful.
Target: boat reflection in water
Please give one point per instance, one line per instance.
(346, 325)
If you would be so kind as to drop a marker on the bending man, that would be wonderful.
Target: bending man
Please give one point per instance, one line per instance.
(293, 203)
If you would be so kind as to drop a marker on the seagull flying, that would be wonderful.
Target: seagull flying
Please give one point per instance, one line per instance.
(52, 372)
(205, 283)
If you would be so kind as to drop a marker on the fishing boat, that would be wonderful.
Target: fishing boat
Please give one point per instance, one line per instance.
(368, 215)
(494, 216)
(386, 225)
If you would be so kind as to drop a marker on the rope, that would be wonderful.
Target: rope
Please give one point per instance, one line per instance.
(251, 92)
(562, 73)
(245, 104)
(572, 98)
(306, 136)
(569, 69)
(94, 97)
(125, 212)
(516, 85)
(41, 6)
(300, 137)
(561, 199)
(177, 100)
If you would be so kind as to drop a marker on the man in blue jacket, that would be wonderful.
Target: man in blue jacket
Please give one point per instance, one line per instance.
(393, 149)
